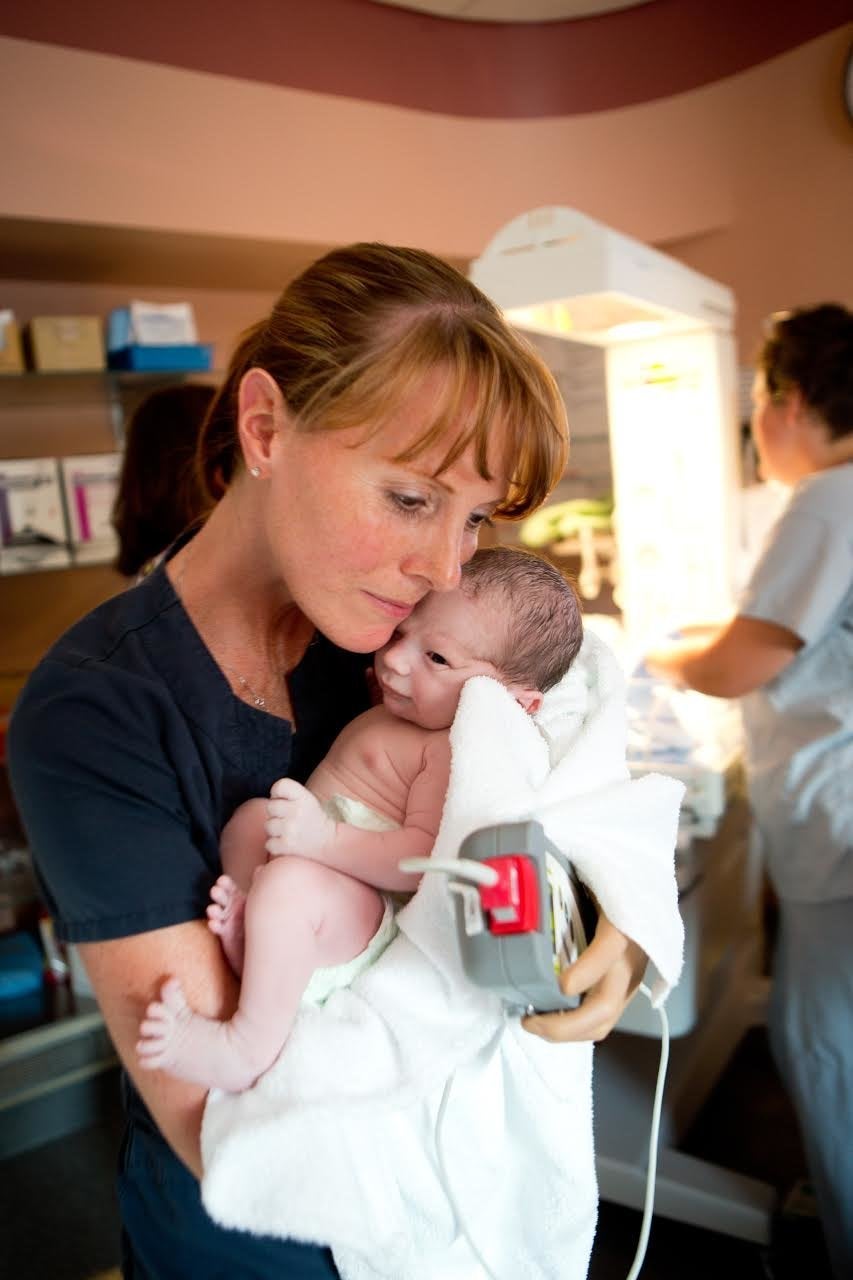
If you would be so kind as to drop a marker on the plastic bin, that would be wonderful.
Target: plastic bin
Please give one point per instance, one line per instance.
(195, 358)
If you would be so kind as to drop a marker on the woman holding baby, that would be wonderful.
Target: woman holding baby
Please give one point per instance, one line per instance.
(366, 430)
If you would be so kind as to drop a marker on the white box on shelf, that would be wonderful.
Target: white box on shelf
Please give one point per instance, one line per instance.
(152, 324)
(33, 533)
(90, 482)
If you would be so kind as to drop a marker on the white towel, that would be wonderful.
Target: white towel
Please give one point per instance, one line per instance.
(336, 1143)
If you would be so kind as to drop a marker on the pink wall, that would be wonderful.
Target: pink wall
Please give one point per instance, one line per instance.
(748, 179)
(789, 241)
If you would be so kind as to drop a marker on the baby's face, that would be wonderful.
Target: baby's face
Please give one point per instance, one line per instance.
(422, 668)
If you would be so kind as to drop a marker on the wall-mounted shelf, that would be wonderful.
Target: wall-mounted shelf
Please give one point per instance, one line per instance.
(40, 249)
(88, 385)
(58, 415)
(55, 414)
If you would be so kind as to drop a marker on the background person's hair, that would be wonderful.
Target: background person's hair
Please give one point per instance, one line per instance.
(540, 608)
(357, 332)
(811, 349)
(159, 494)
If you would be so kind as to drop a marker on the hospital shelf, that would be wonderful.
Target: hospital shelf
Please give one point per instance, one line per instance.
(55, 1078)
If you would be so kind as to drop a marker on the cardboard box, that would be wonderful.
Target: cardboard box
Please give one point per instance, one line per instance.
(11, 355)
(89, 483)
(32, 519)
(66, 343)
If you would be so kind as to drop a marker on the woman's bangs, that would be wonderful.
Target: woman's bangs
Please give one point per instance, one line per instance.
(488, 393)
(536, 439)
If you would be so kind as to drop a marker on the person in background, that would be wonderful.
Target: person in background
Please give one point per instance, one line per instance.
(788, 655)
(160, 495)
(365, 431)
(314, 915)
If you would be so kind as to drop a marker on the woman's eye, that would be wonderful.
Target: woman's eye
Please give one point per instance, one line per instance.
(409, 503)
(477, 520)
(438, 659)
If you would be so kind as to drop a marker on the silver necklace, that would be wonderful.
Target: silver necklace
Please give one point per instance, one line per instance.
(258, 700)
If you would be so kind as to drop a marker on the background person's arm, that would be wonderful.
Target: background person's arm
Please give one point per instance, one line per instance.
(737, 659)
(126, 974)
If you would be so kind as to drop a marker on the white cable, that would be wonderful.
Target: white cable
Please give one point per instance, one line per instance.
(651, 1172)
(464, 868)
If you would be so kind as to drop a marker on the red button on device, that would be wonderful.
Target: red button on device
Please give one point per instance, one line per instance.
(513, 902)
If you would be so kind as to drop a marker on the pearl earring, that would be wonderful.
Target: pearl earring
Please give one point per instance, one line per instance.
(254, 471)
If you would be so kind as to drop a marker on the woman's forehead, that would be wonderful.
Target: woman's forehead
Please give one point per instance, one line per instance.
(409, 434)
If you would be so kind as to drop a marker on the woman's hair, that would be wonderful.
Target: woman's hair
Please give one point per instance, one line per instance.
(159, 495)
(811, 349)
(544, 630)
(356, 334)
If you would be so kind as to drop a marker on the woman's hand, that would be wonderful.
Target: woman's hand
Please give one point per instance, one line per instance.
(607, 976)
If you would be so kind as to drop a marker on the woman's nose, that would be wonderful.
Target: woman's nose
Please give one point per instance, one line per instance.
(438, 559)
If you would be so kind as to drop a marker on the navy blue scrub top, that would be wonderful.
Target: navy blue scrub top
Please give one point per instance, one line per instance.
(128, 753)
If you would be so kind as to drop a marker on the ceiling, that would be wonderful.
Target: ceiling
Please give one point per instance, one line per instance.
(512, 10)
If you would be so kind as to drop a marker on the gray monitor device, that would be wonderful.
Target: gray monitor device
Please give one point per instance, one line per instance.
(522, 968)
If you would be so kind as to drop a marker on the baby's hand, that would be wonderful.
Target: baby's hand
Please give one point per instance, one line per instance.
(296, 821)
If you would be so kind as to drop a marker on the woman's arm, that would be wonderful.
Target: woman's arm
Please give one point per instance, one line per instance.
(126, 974)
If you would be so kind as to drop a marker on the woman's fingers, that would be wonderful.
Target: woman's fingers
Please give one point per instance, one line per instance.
(606, 976)
(596, 961)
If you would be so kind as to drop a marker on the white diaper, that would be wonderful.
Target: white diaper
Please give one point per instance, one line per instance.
(356, 814)
(332, 978)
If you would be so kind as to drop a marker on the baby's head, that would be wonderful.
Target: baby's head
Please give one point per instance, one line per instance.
(514, 617)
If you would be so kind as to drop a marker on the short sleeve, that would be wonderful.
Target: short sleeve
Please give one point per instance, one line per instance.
(99, 774)
(802, 576)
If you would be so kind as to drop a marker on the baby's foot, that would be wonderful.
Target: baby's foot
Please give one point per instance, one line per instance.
(225, 917)
(174, 1038)
(165, 1029)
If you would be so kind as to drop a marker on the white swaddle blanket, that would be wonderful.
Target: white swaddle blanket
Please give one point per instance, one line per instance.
(336, 1143)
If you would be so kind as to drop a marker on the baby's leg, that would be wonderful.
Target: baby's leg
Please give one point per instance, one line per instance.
(299, 915)
(241, 848)
(242, 845)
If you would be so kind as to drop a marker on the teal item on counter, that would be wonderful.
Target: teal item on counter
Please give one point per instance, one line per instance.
(21, 966)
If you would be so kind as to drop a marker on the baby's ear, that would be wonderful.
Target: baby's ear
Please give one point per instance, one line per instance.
(530, 700)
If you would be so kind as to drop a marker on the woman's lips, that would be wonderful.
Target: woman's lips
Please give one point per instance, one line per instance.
(392, 608)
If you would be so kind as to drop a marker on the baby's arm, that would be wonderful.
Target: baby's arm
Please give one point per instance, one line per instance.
(298, 824)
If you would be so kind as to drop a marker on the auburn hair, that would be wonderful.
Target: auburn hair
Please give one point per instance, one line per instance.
(356, 334)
